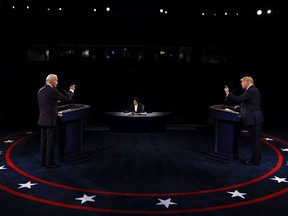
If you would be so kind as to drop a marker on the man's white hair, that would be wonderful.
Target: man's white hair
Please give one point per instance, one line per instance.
(50, 77)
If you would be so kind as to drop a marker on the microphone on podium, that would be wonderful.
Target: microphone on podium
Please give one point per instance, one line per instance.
(226, 98)
(62, 90)
(71, 104)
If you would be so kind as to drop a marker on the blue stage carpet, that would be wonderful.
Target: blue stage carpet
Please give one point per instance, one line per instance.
(163, 173)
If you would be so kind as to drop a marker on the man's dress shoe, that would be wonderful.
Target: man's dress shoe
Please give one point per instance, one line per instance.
(250, 163)
(52, 166)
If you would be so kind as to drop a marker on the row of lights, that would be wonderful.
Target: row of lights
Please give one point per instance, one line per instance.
(59, 9)
(259, 12)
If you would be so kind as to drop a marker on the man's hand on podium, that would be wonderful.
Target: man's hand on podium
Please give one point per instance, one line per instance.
(237, 108)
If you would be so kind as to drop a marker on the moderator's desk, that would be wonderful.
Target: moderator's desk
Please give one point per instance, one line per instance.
(142, 122)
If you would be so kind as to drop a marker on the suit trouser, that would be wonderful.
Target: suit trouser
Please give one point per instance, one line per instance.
(256, 144)
(48, 145)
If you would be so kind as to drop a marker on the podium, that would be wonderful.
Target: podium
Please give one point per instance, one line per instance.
(226, 133)
(71, 132)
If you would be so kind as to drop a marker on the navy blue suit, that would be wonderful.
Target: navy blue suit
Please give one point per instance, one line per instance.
(251, 118)
(140, 108)
(48, 99)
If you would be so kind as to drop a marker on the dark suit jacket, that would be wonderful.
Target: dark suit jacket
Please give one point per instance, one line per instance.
(250, 106)
(48, 98)
(140, 108)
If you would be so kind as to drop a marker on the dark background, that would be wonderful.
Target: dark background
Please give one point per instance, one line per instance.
(243, 45)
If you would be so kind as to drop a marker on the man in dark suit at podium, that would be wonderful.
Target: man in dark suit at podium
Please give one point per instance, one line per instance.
(48, 98)
(251, 116)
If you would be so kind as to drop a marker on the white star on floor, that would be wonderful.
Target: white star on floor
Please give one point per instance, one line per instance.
(27, 185)
(86, 198)
(268, 139)
(286, 149)
(166, 202)
(236, 193)
(8, 141)
(3, 167)
(279, 180)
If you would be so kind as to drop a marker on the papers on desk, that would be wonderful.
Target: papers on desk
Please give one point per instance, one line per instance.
(230, 110)
(144, 113)
(134, 113)
(60, 113)
(227, 109)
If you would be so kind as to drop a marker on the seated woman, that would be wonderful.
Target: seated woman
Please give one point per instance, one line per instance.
(136, 106)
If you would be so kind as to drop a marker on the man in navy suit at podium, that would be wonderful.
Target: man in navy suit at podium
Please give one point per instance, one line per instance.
(48, 98)
(251, 116)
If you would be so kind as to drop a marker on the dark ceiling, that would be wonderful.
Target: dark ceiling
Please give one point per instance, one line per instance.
(138, 21)
(136, 7)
